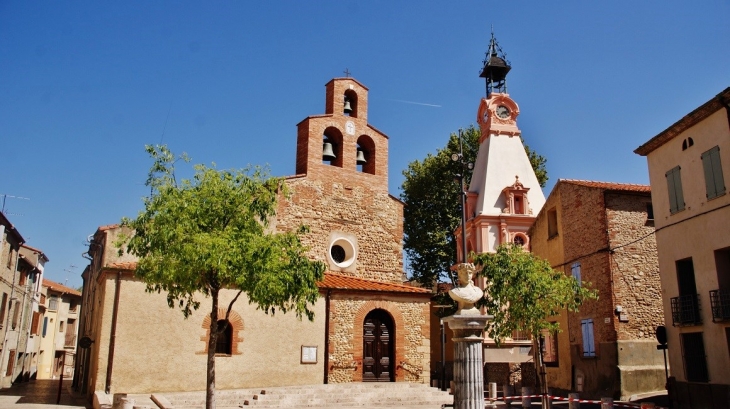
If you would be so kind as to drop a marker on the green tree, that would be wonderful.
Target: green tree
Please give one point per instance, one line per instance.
(209, 233)
(523, 293)
(433, 208)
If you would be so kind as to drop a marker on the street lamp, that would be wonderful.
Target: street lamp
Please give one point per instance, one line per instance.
(459, 158)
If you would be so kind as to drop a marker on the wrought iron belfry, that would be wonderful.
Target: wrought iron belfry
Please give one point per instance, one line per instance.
(495, 68)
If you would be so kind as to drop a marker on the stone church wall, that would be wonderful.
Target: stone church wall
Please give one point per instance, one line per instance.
(333, 204)
(412, 343)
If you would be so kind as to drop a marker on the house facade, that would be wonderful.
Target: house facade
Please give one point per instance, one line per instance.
(21, 271)
(58, 330)
(689, 164)
(603, 235)
(368, 325)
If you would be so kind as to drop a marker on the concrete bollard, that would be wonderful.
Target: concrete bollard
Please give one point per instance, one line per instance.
(526, 402)
(573, 401)
(492, 390)
(647, 405)
(606, 403)
(508, 390)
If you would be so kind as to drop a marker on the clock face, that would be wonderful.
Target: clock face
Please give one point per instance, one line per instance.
(485, 116)
(503, 112)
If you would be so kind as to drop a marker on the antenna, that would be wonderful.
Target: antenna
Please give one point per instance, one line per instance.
(65, 281)
(5, 196)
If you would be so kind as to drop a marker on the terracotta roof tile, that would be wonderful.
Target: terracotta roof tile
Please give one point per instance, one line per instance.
(608, 185)
(340, 282)
(331, 281)
(59, 287)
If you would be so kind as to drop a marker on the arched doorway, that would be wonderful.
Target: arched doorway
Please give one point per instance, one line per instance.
(378, 347)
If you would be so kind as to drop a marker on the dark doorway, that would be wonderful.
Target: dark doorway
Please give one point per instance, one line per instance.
(378, 347)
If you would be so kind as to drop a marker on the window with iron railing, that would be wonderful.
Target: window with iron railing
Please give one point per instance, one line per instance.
(521, 336)
(720, 303)
(686, 310)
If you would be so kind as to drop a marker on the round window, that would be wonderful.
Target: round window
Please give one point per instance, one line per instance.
(342, 252)
(337, 253)
(519, 240)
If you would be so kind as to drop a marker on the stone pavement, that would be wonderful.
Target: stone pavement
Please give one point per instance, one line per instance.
(40, 394)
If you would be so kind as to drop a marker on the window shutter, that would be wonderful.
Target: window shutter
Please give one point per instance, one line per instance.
(588, 345)
(674, 186)
(45, 325)
(709, 178)
(717, 171)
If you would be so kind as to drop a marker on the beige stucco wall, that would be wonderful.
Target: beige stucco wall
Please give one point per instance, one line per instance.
(695, 232)
(156, 349)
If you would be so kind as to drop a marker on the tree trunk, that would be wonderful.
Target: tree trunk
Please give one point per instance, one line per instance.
(212, 341)
(541, 373)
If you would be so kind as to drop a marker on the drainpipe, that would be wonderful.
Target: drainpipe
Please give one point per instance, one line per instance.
(327, 336)
(113, 335)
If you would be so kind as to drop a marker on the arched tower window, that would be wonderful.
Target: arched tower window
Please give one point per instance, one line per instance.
(350, 103)
(332, 147)
(365, 154)
(225, 339)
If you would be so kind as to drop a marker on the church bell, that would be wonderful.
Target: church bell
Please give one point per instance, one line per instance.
(327, 152)
(361, 157)
(348, 108)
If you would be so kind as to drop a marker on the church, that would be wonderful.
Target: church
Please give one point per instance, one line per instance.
(369, 326)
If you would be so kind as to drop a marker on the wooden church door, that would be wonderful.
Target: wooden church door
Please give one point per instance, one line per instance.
(378, 347)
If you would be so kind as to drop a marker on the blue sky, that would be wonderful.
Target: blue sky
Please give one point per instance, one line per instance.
(85, 85)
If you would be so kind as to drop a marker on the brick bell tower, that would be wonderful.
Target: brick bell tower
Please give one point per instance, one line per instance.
(341, 142)
(340, 190)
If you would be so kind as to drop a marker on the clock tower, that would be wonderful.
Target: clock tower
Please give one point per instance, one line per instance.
(504, 195)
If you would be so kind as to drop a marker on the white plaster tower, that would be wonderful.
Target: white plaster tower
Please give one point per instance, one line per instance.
(504, 195)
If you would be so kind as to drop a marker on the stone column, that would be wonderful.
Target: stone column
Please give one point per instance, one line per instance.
(468, 360)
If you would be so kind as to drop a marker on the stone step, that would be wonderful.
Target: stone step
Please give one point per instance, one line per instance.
(321, 396)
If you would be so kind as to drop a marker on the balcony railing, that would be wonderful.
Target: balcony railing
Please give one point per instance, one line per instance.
(720, 302)
(686, 310)
(521, 336)
(70, 340)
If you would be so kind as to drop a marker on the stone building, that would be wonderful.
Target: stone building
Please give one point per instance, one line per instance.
(368, 325)
(603, 234)
(688, 166)
(58, 331)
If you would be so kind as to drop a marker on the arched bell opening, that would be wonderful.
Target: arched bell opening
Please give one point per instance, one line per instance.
(332, 147)
(365, 155)
(378, 360)
(349, 104)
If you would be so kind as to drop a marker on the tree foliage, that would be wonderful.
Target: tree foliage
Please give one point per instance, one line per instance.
(202, 235)
(433, 207)
(523, 292)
